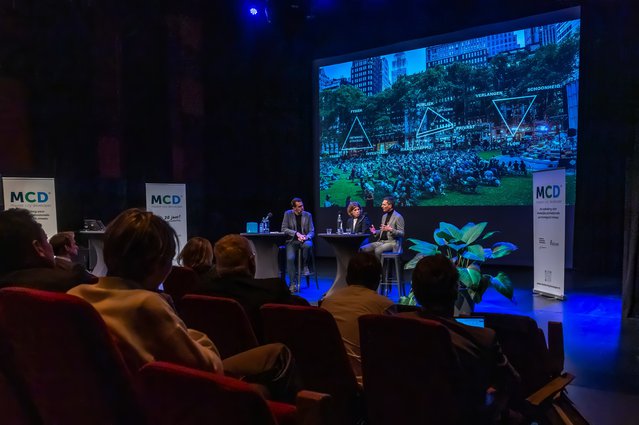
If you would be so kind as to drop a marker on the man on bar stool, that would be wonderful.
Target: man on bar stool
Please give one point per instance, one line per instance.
(298, 226)
(390, 232)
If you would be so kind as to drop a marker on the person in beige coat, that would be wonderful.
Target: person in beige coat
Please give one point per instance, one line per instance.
(138, 250)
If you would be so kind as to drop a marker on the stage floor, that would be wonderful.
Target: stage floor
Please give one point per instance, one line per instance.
(601, 349)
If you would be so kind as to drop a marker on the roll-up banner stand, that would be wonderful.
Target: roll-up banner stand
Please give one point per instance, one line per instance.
(169, 202)
(549, 227)
(34, 194)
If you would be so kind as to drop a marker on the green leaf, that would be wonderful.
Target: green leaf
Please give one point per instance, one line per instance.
(408, 300)
(488, 235)
(501, 249)
(475, 296)
(423, 247)
(441, 237)
(474, 253)
(457, 246)
(467, 226)
(452, 230)
(484, 284)
(469, 277)
(472, 233)
(413, 262)
(502, 284)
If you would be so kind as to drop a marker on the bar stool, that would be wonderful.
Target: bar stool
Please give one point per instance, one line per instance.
(312, 268)
(300, 267)
(392, 262)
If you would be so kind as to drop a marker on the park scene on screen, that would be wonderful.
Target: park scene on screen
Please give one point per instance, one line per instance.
(462, 123)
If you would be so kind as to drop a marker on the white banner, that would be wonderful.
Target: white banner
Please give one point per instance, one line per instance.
(549, 227)
(169, 202)
(36, 195)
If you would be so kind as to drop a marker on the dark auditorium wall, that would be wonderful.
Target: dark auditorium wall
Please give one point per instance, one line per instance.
(107, 95)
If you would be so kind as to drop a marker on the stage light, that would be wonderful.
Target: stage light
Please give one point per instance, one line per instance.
(253, 10)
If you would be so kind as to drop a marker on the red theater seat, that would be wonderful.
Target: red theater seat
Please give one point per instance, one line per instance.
(223, 320)
(314, 339)
(174, 394)
(65, 359)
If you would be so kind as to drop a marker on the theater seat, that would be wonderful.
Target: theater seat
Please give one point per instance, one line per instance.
(65, 359)
(223, 320)
(314, 339)
(174, 394)
(410, 372)
(179, 282)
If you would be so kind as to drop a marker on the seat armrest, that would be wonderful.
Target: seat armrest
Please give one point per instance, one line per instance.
(550, 390)
(314, 408)
(556, 347)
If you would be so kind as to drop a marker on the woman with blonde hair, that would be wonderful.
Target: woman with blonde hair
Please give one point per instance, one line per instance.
(197, 254)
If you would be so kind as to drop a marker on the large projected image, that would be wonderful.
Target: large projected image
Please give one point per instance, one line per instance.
(463, 123)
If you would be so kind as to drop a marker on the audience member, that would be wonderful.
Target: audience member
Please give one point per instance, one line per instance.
(27, 258)
(299, 229)
(138, 250)
(358, 298)
(484, 366)
(65, 250)
(391, 232)
(235, 264)
(197, 255)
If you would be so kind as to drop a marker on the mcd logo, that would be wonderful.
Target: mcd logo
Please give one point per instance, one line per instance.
(29, 197)
(165, 199)
(548, 192)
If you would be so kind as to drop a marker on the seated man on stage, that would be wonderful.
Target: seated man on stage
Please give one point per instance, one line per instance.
(299, 228)
(390, 233)
(358, 221)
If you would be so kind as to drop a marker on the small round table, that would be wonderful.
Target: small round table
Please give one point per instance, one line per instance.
(266, 252)
(345, 246)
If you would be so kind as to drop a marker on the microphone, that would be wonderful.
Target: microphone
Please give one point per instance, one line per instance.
(268, 216)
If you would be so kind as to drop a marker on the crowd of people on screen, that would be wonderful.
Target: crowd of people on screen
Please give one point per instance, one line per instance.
(412, 177)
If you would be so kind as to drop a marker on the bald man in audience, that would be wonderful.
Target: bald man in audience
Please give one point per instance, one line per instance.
(235, 266)
(26, 256)
(358, 298)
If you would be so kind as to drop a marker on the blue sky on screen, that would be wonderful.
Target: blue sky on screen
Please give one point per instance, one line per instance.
(415, 62)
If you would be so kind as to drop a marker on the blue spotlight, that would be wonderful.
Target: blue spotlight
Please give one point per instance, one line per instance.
(253, 10)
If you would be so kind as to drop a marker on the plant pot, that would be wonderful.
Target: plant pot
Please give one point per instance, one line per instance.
(464, 305)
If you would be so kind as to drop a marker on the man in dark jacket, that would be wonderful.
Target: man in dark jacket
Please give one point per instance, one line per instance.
(235, 266)
(484, 366)
(26, 256)
(299, 229)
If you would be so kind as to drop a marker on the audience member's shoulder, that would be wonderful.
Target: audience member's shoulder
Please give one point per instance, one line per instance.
(270, 283)
(44, 278)
(82, 275)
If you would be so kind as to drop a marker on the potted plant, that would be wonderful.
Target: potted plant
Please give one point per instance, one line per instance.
(464, 248)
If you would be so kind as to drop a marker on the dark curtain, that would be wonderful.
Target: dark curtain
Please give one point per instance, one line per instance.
(631, 227)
